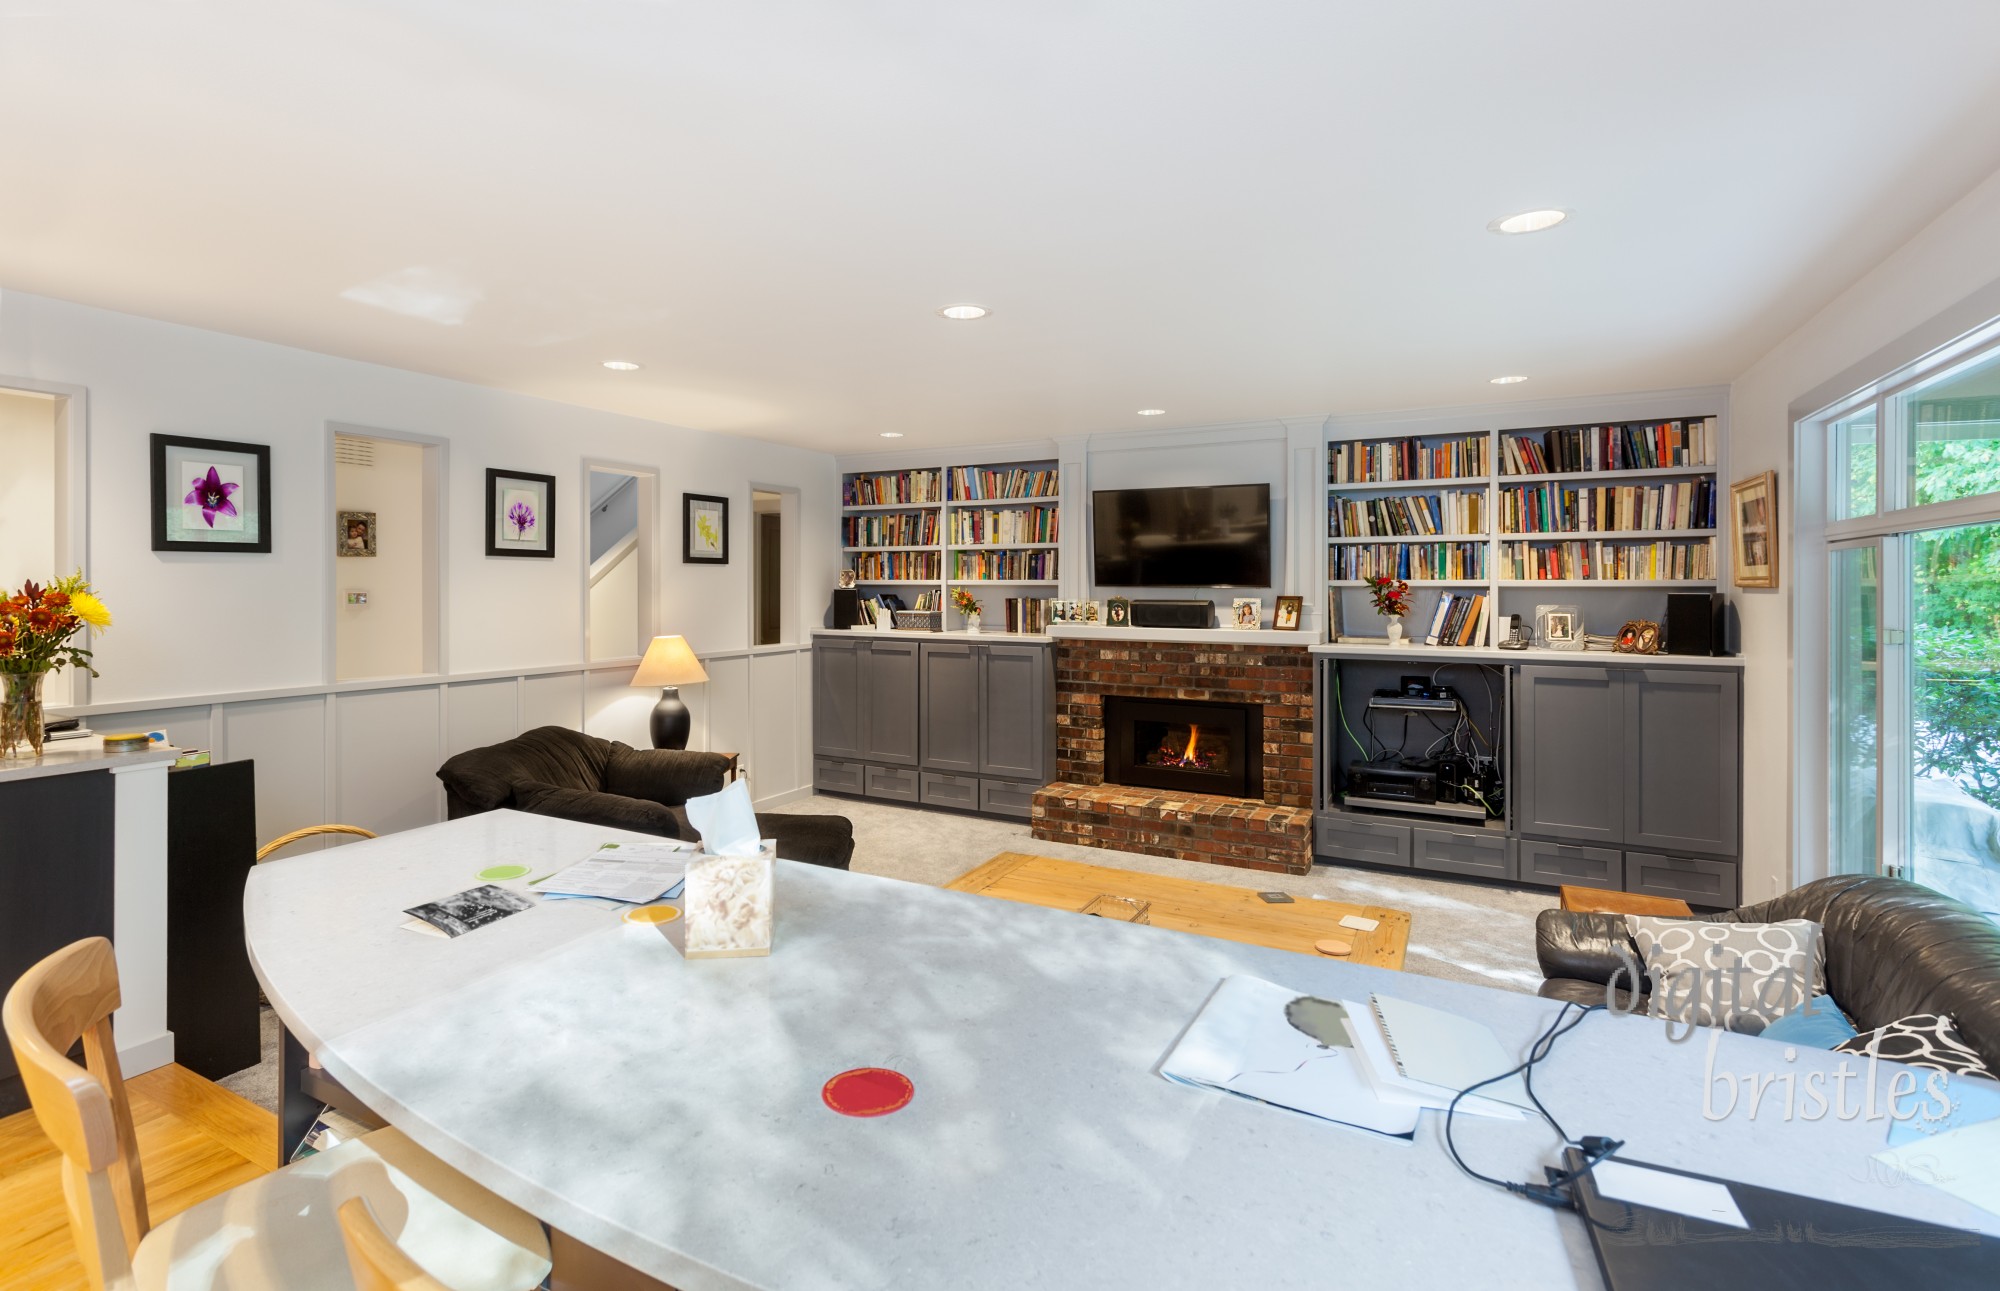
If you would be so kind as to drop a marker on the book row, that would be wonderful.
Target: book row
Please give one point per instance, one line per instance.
(1409, 560)
(1419, 514)
(1459, 620)
(895, 486)
(1383, 461)
(890, 529)
(1609, 561)
(1027, 613)
(970, 528)
(972, 484)
(897, 566)
(1556, 508)
(1638, 446)
(1002, 565)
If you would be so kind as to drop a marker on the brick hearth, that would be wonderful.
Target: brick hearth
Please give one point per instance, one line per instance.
(1275, 834)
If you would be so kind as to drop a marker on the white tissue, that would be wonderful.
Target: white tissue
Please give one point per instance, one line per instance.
(727, 822)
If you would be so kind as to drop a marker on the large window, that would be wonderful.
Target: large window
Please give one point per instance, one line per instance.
(1911, 574)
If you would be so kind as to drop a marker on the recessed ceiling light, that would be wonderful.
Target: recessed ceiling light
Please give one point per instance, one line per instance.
(963, 313)
(1527, 222)
(620, 365)
(892, 434)
(1152, 412)
(1508, 381)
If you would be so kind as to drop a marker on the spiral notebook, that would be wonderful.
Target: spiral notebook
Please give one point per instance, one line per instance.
(1446, 1050)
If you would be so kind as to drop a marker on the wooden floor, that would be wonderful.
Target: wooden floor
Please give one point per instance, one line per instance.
(196, 1139)
(1210, 909)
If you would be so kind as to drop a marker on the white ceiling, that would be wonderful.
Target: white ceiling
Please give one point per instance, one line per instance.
(1227, 210)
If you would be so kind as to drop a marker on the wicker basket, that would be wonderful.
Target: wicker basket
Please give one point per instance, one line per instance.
(920, 620)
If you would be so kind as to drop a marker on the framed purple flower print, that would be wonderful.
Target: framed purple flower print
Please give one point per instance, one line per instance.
(520, 514)
(211, 495)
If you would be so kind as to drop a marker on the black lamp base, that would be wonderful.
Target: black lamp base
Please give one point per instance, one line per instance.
(671, 720)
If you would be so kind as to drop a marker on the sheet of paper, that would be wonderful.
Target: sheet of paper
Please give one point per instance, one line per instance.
(1972, 1102)
(1960, 1163)
(1358, 923)
(1677, 1194)
(634, 873)
(1392, 1086)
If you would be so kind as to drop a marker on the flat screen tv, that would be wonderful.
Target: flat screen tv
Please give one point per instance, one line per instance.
(1217, 535)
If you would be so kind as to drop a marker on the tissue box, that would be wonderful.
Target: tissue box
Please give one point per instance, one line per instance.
(727, 904)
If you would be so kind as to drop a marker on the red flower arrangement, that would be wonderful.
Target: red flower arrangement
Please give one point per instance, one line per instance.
(1391, 596)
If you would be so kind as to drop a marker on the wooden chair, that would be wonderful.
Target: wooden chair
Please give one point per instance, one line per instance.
(277, 1231)
(378, 1264)
(286, 840)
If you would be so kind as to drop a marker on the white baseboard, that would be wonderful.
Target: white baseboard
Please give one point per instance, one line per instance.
(154, 1051)
(780, 799)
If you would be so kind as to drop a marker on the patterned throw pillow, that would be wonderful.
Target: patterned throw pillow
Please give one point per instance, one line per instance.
(1922, 1040)
(1740, 975)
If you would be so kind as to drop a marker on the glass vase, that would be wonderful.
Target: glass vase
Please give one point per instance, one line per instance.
(21, 714)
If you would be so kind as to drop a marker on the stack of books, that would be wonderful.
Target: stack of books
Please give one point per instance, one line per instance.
(1459, 620)
(1418, 514)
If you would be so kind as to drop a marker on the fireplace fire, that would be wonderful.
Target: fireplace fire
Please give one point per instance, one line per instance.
(1195, 753)
(1195, 746)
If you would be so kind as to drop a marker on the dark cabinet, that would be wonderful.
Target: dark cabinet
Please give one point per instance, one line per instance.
(951, 705)
(1681, 763)
(889, 731)
(1569, 773)
(837, 711)
(211, 847)
(1015, 716)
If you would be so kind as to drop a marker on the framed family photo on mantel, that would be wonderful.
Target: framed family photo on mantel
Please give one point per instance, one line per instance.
(211, 495)
(520, 514)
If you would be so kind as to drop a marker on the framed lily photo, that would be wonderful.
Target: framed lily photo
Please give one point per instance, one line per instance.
(704, 529)
(211, 495)
(520, 514)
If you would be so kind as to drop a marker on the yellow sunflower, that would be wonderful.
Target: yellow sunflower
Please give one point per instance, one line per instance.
(87, 607)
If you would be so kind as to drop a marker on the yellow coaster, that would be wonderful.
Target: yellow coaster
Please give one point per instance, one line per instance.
(653, 914)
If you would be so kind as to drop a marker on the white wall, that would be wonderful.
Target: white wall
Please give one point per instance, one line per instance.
(385, 636)
(234, 651)
(1933, 287)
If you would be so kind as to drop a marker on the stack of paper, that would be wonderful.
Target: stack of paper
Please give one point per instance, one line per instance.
(632, 873)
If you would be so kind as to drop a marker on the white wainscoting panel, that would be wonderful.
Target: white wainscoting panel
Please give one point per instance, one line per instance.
(552, 700)
(776, 688)
(186, 728)
(729, 699)
(287, 740)
(386, 756)
(613, 710)
(478, 713)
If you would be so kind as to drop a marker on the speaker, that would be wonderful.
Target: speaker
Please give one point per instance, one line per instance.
(846, 608)
(1173, 614)
(1694, 622)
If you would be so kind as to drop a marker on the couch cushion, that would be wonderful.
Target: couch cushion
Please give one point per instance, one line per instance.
(607, 809)
(1823, 1027)
(548, 755)
(1739, 975)
(1922, 1040)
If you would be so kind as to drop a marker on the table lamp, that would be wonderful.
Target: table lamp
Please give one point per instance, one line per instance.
(670, 664)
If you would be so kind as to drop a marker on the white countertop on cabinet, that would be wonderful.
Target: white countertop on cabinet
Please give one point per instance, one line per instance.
(65, 757)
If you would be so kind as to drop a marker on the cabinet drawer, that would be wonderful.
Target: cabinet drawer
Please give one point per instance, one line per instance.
(898, 783)
(1554, 864)
(1695, 881)
(1007, 797)
(831, 775)
(951, 791)
(1483, 855)
(1345, 838)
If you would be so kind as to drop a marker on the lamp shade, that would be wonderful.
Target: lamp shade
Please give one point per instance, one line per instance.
(669, 662)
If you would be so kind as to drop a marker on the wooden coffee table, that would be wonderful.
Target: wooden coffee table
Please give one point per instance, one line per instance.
(1605, 901)
(1209, 909)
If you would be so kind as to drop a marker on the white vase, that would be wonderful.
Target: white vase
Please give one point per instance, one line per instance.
(972, 625)
(1395, 632)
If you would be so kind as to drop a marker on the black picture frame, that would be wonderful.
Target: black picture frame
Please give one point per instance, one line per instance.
(689, 554)
(256, 508)
(544, 521)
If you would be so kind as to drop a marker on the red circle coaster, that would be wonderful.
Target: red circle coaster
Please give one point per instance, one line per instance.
(868, 1091)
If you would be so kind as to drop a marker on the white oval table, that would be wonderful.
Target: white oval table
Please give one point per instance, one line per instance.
(668, 1112)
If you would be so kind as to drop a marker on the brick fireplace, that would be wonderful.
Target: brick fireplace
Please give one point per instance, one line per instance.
(1158, 817)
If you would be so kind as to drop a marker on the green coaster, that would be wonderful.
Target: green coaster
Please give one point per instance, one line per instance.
(497, 873)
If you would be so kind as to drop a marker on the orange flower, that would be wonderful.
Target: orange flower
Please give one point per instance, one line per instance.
(6, 643)
(55, 599)
(41, 619)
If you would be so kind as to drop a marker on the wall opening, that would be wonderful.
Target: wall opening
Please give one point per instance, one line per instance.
(34, 505)
(619, 578)
(768, 563)
(386, 541)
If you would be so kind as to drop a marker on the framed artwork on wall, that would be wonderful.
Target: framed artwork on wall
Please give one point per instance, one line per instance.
(211, 495)
(1753, 526)
(354, 533)
(704, 529)
(520, 514)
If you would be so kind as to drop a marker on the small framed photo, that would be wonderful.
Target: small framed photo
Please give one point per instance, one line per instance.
(1286, 617)
(1559, 627)
(1118, 612)
(1753, 516)
(1248, 611)
(1093, 611)
(354, 533)
(846, 579)
(704, 529)
(520, 514)
(211, 495)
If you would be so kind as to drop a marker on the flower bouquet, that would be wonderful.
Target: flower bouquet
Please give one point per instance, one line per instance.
(968, 605)
(1392, 601)
(37, 627)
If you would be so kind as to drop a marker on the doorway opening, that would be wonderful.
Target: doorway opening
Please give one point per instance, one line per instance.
(387, 540)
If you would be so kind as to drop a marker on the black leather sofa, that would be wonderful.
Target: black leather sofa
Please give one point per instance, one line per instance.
(554, 771)
(1893, 948)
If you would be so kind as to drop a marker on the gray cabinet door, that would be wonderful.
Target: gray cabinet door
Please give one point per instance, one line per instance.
(950, 698)
(1015, 713)
(1569, 764)
(837, 713)
(1680, 747)
(889, 705)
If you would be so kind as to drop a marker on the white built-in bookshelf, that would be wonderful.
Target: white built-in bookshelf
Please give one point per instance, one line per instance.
(992, 525)
(1594, 515)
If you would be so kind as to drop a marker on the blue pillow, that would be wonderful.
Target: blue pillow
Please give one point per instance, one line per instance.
(1819, 1025)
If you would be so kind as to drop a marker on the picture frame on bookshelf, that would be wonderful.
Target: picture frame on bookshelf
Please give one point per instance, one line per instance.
(1753, 528)
(1118, 612)
(846, 580)
(1559, 627)
(1285, 618)
(1246, 613)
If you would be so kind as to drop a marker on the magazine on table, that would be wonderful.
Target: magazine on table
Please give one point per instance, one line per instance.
(631, 873)
(466, 911)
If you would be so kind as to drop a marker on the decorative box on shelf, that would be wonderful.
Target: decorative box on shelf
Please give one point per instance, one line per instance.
(920, 620)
